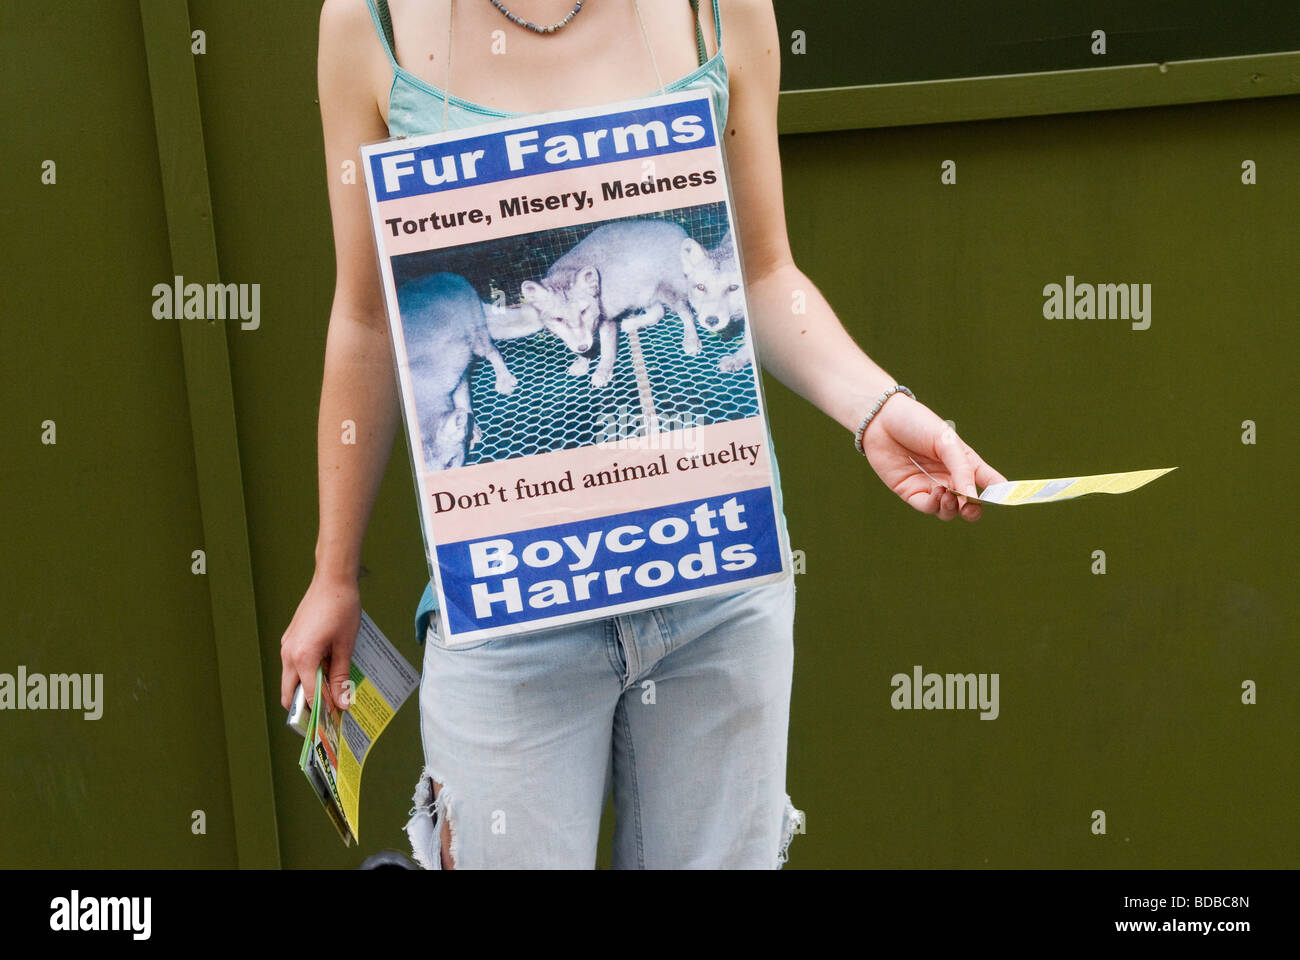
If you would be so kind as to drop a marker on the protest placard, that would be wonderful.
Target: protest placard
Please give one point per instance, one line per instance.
(581, 398)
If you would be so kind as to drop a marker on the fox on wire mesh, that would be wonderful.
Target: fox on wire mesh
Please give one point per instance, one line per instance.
(447, 327)
(627, 273)
(713, 286)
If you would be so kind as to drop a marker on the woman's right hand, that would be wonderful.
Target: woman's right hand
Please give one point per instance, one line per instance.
(323, 629)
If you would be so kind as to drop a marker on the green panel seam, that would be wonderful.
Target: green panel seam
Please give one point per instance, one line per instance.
(174, 89)
(1037, 94)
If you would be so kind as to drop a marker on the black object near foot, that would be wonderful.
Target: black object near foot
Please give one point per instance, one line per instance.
(388, 860)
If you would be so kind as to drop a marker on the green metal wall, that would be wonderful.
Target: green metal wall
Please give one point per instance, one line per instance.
(847, 44)
(98, 527)
(1119, 692)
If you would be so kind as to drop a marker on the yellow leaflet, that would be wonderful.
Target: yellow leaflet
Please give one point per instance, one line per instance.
(1016, 492)
(1023, 490)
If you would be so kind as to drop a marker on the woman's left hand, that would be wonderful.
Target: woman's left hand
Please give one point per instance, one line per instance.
(906, 433)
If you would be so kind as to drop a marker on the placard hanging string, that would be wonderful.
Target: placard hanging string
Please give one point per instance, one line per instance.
(446, 84)
(650, 49)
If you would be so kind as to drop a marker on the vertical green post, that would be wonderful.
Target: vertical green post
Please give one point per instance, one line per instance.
(178, 125)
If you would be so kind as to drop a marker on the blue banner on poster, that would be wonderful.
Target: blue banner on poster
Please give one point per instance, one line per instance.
(541, 148)
(627, 557)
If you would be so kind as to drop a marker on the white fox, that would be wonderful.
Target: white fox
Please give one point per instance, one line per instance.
(628, 271)
(713, 288)
(447, 328)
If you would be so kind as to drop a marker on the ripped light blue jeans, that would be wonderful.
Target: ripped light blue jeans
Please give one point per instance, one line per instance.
(683, 711)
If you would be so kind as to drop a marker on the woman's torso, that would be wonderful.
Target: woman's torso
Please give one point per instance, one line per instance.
(513, 71)
(486, 86)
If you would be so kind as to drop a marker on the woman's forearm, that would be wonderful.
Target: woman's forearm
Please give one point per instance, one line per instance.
(359, 414)
(802, 343)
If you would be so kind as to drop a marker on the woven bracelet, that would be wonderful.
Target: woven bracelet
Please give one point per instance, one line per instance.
(866, 421)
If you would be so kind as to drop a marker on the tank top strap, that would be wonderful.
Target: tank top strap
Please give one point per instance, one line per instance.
(699, 32)
(383, 19)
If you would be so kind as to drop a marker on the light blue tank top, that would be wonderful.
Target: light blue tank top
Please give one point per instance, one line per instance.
(416, 107)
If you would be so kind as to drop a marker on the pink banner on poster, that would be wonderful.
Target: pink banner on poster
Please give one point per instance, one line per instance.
(572, 196)
(597, 481)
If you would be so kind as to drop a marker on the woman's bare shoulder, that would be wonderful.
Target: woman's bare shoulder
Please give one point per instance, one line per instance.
(348, 33)
(339, 15)
(741, 12)
(742, 7)
(750, 41)
(744, 20)
(351, 62)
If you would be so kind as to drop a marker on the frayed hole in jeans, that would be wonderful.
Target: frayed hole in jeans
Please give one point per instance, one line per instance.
(792, 822)
(424, 829)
